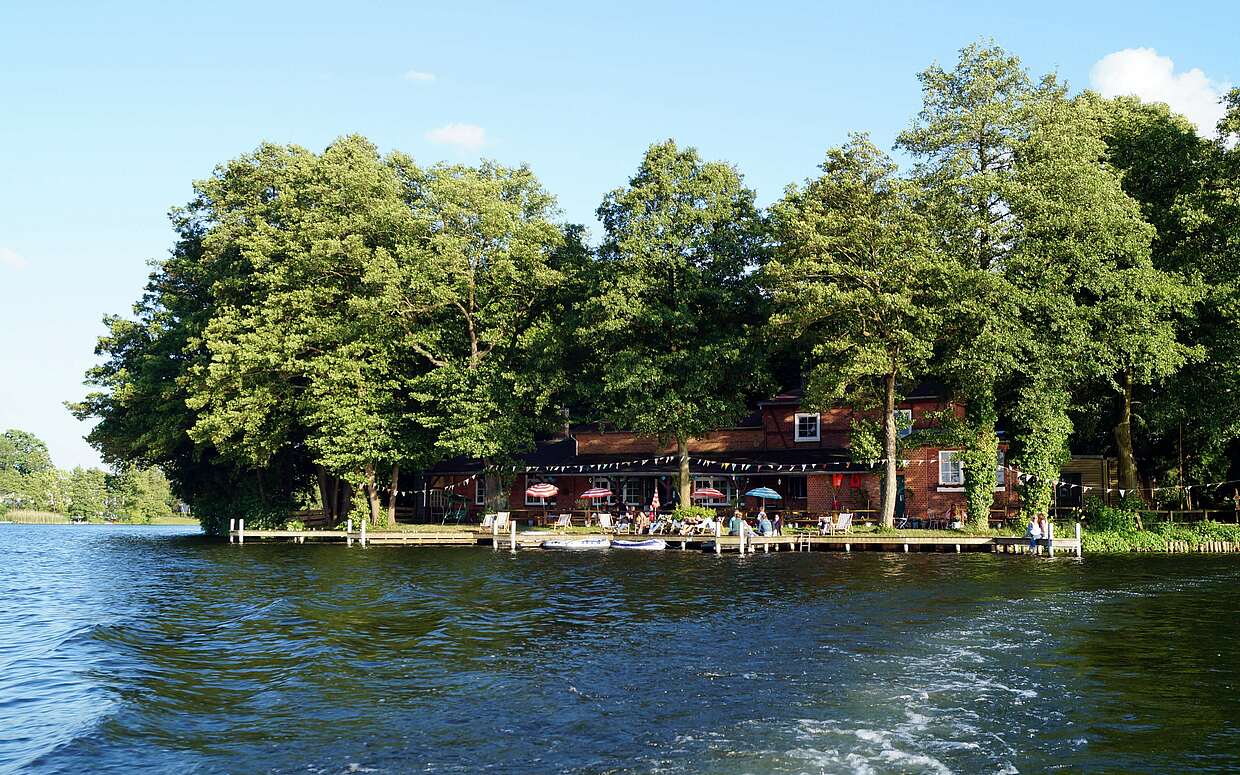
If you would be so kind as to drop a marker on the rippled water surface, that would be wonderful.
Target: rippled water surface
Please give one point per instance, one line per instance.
(127, 648)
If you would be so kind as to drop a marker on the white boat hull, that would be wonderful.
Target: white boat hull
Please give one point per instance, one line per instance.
(576, 543)
(649, 545)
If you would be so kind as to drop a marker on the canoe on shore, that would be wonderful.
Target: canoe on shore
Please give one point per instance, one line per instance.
(648, 545)
(588, 542)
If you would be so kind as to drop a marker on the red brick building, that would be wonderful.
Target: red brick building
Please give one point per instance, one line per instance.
(800, 453)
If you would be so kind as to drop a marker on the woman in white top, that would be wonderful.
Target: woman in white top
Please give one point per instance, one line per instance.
(1034, 533)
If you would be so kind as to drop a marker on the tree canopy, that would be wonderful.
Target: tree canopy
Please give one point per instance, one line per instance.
(1066, 264)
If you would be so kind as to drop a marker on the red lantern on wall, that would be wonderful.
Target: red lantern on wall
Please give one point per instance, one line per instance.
(837, 480)
(854, 481)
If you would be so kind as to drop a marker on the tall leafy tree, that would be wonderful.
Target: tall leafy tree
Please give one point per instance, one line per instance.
(471, 300)
(966, 144)
(856, 280)
(670, 327)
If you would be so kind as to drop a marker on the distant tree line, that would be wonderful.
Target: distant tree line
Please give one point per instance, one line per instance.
(29, 480)
(1066, 264)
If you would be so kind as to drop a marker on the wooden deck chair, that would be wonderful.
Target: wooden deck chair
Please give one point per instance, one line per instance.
(843, 523)
(604, 521)
(501, 522)
(564, 520)
(487, 521)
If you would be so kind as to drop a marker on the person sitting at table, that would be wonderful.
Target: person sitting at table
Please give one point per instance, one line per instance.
(736, 524)
(824, 523)
(764, 524)
(777, 524)
(643, 522)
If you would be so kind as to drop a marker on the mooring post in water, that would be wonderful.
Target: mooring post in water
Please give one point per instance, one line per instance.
(718, 535)
(1050, 539)
(513, 532)
(1078, 539)
(348, 532)
(495, 536)
(241, 531)
(232, 530)
(363, 538)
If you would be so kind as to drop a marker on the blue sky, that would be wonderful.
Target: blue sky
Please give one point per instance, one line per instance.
(109, 111)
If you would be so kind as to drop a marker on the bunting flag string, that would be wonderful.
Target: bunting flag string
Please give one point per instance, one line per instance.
(759, 467)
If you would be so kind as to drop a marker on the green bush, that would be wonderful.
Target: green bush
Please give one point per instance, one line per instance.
(686, 513)
(1100, 517)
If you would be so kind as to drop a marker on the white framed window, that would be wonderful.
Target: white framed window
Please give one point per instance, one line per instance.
(904, 422)
(721, 483)
(1001, 471)
(531, 481)
(631, 491)
(806, 426)
(951, 468)
(480, 490)
(605, 483)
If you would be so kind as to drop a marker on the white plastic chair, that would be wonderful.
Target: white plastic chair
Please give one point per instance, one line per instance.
(604, 521)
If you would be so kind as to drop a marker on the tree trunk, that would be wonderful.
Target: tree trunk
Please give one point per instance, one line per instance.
(1129, 479)
(372, 495)
(888, 507)
(391, 514)
(344, 491)
(325, 496)
(686, 480)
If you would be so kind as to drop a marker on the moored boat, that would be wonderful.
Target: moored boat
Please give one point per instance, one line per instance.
(586, 542)
(648, 545)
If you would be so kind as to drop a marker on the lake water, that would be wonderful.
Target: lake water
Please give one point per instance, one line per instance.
(126, 648)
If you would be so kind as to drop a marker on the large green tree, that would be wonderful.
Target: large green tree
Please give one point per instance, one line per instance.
(472, 301)
(965, 144)
(670, 327)
(857, 282)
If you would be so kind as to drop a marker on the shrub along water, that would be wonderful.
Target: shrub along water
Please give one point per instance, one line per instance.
(1119, 529)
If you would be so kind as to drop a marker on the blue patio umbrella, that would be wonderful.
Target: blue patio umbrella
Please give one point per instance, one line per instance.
(765, 493)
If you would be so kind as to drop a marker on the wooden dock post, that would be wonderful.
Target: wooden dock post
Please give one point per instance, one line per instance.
(348, 532)
(847, 547)
(513, 533)
(957, 548)
(1078, 539)
(494, 537)
(363, 538)
(718, 535)
(906, 548)
(1050, 539)
(241, 531)
(232, 530)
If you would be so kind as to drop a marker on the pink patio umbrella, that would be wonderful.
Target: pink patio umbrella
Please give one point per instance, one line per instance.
(543, 490)
(595, 493)
(708, 493)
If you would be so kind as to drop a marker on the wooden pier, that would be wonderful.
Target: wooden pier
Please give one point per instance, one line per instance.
(514, 540)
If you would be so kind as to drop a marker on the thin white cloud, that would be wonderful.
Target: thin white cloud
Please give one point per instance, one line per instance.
(1153, 78)
(464, 136)
(11, 259)
(419, 76)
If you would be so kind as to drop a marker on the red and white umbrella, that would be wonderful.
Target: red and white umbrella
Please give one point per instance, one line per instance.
(708, 492)
(654, 499)
(595, 493)
(542, 490)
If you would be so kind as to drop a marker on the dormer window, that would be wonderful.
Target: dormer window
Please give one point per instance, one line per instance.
(806, 427)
